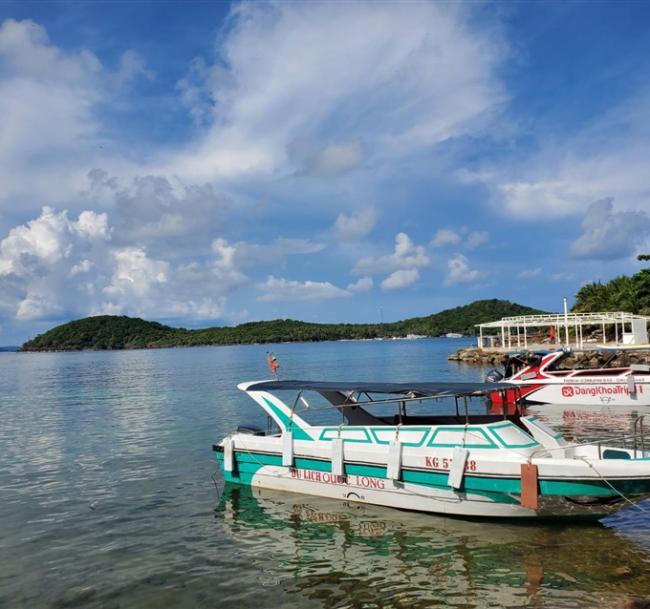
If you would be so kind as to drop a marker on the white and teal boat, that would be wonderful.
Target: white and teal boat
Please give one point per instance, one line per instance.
(386, 450)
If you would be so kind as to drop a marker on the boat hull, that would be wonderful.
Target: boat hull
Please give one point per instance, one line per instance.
(379, 490)
(586, 394)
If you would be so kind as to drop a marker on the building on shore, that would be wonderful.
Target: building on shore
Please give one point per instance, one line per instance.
(577, 330)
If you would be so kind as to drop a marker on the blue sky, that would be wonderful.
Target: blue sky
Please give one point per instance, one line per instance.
(208, 164)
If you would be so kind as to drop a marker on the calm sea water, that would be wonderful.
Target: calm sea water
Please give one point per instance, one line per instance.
(107, 498)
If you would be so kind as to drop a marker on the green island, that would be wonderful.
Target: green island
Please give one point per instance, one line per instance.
(104, 332)
(107, 332)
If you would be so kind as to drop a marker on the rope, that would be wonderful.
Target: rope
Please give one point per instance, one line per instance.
(608, 483)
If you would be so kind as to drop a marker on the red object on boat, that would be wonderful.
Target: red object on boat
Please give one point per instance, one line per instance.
(529, 486)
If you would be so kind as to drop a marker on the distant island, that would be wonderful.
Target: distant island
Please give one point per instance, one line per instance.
(108, 332)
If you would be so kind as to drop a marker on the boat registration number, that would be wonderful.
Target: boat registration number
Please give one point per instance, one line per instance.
(445, 463)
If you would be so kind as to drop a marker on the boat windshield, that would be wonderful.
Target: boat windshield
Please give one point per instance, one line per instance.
(387, 404)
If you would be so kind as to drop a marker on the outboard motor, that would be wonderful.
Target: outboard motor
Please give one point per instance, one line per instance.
(494, 376)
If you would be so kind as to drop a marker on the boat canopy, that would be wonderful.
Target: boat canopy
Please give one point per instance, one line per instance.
(405, 389)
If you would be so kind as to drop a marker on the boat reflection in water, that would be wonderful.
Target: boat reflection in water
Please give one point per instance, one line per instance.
(337, 554)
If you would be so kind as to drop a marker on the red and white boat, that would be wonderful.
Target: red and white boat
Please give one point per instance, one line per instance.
(539, 380)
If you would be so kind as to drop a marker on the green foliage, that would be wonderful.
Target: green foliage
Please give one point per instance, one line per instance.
(622, 293)
(112, 332)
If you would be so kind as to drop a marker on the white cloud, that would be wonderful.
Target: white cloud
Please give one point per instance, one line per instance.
(607, 158)
(458, 271)
(47, 98)
(154, 209)
(36, 307)
(608, 235)
(280, 289)
(132, 66)
(364, 284)
(82, 267)
(311, 157)
(463, 237)
(55, 267)
(400, 279)
(406, 256)
(476, 238)
(92, 225)
(356, 225)
(432, 56)
(135, 274)
(46, 240)
(530, 273)
(444, 237)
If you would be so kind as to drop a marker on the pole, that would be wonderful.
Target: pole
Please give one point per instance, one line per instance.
(566, 320)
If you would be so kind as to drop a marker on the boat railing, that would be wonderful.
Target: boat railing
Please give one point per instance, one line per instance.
(637, 440)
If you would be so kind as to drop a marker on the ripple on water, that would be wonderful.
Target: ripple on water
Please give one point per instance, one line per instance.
(107, 498)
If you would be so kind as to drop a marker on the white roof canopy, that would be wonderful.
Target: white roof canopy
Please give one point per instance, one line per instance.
(628, 329)
(558, 319)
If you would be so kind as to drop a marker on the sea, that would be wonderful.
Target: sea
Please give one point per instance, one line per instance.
(110, 497)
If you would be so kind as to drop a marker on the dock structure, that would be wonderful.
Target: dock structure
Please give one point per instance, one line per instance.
(576, 330)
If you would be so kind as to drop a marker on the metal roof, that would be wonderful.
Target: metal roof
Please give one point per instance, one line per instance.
(405, 389)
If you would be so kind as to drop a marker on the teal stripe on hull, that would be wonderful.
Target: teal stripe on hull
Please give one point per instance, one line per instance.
(498, 489)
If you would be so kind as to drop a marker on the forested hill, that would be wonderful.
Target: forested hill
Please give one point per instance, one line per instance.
(113, 332)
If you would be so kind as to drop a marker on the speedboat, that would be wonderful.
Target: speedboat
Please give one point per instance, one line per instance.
(387, 448)
(540, 379)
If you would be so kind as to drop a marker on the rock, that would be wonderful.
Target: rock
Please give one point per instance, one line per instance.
(623, 571)
(586, 359)
(637, 603)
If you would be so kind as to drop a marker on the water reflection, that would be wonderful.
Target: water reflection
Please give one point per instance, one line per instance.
(107, 502)
(350, 555)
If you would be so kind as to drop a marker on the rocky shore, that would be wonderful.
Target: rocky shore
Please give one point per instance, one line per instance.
(577, 359)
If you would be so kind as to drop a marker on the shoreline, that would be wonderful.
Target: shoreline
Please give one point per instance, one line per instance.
(595, 358)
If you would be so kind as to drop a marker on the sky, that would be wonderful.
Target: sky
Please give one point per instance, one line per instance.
(203, 164)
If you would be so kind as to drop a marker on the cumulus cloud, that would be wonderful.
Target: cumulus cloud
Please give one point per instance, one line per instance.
(280, 290)
(431, 54)
(400, 279)
(364, 284)
(47, 240)
(36, 307)
(475, 239)
(406, 256)
(151, 210)
(464, 238)
(607, 234)
(57, 266)
(459, 271)
(356, 225)
(444, 237)
(132, 66)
